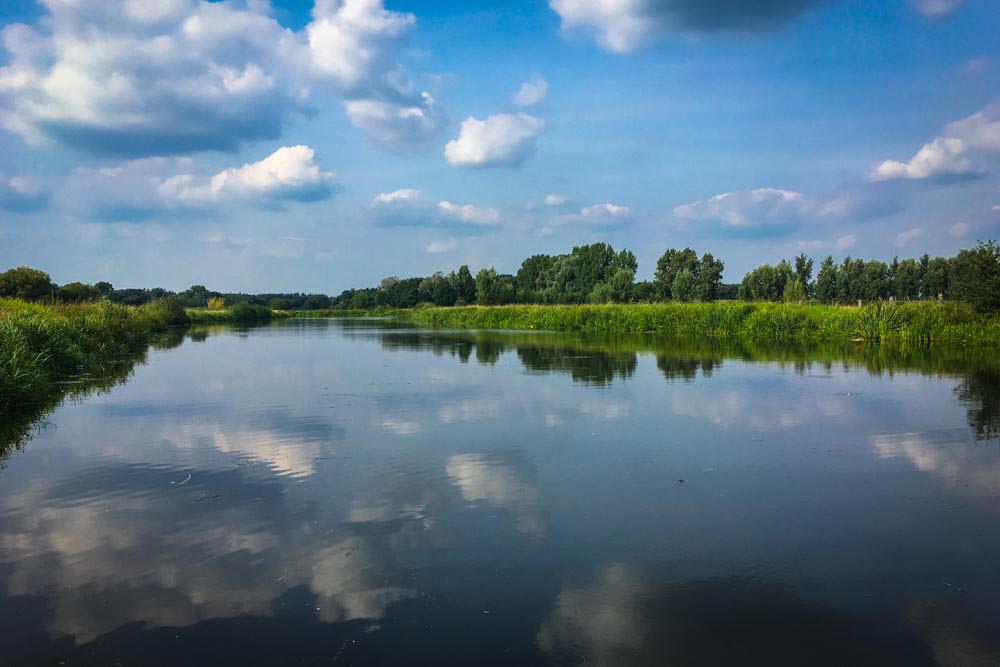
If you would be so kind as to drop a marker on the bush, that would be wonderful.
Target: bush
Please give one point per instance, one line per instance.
(246, 312)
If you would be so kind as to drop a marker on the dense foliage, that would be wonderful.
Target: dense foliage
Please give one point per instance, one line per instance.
(594, 273)
(972, 276)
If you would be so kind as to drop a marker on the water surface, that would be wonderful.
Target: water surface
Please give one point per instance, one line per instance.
(358, 492)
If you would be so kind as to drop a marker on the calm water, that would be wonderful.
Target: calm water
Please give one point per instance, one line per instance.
(355, 492)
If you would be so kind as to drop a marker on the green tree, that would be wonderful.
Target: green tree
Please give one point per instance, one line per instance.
(708, 278)
(465, 285)
(669, 265)
(826, 281)
(444, 294)
(78, 292)
(26, 284)
(793, 291)
(977, 276)
(906, 280)
(804, 272)
(935, 278)
(683, 287)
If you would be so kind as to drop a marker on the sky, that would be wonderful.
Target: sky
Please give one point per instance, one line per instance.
(292, 146)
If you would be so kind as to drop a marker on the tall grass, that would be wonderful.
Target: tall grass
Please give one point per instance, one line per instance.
(40, 345)
(913, 322)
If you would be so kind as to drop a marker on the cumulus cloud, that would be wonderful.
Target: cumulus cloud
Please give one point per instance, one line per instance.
(408, 207)
(503, 140)
(555, 200)
(468, 213)
(960, 152)
(290, 173)
(625, 25)
(402, 195)
(909, 235)
(141, 189)
(435, 247)
(763, 209)
(143, 79)
(845, 242)
(532, 92)
(960, 230)
(20, 194)
(936, 9)
(398, 127)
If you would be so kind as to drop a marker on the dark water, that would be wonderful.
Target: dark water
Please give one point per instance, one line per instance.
(357, 493)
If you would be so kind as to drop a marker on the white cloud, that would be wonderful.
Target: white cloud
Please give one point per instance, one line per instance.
(909, 235)
(936, 9)
(142, 79)
(20, 194)
(996, 209)
(760, 209)
(398, 127)
(141, 189)
(960, 151)
(960, 230)
(555, 200)
(845, 242)
(532, 92)
(447, 245)
(404, 194)
(408, 208)
(978, 66)
(471, 214)
(625, 25)
(290, 173)
(503, 140)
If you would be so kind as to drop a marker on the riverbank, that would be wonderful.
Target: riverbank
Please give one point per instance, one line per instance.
(244, 313)
(952, 323)
(40, 346)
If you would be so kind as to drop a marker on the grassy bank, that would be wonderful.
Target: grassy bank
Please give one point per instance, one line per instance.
(912, 322)
(341, 312)
(245, 313)
(42, 345)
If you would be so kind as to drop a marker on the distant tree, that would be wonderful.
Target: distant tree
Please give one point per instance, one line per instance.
(26, 283)
(766, 282)
(826, 281)
(804, 272)
(78, 293)
(793, 291)
(444, 294)
(493, 289)
(935, 279)
(683, 286)
(977, 276)
(104, 287)
(216, 303)
(279, 304)
(708, 278)
(644, 292)
(669, 265)
(317, 302)
(465, 285)
(906, 279)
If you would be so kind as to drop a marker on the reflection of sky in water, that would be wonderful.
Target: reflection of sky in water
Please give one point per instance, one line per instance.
(413, 496)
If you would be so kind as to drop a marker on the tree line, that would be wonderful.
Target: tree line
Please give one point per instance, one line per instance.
(597, 273)
(973, 276)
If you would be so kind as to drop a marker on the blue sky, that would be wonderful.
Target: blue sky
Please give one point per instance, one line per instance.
(286, 147)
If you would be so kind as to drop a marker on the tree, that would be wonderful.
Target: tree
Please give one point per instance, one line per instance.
(708, 278)
(804, 272)
(683, 286)
(826, 281)
(26, 284)
(444, 294)
(906, 280)
(276, 304)
(935, 278)
(766, 282)
(78, 293)
(794, 292)
(669, 265)
(977, 276)
(493, 289)
(465, 285)
(104, 287)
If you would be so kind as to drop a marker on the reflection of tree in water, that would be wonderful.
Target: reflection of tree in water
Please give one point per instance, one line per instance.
(622, 617)
(590, 367)
(685, 368)
(979, 391)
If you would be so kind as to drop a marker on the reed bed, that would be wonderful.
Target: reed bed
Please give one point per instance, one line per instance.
(911, 322)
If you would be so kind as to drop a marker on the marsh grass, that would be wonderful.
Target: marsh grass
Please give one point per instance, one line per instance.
(913, 322)
(41, 345)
